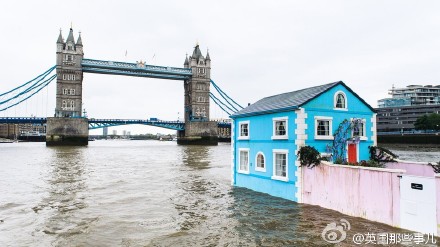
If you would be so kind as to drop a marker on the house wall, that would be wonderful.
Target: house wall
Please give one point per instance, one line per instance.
(413, 168)
(260, 140)
(323, 105)
(370, 193)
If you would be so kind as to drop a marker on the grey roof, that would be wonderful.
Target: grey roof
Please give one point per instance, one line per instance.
(60, 38)
(285, 101)
(207, 56)
(186, 61)
(70, 37)
(79, 40)
(197, 53)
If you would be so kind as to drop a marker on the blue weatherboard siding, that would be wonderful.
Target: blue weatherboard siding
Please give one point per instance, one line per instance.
(316, 101)
(321, 106)
(260, 133)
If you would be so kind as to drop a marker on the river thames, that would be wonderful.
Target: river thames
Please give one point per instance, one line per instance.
(150, 193)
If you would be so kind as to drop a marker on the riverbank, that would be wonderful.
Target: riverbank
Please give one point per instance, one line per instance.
(419, 139)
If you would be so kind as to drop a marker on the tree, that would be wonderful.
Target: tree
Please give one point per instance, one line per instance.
(434, 121)
(422, 123)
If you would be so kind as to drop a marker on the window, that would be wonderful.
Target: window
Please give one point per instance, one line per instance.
(261, 162)
(280, 128)
(280, 164)
(67, 91)
(360, 130)
(340, 101)
(64, 105)
(323, 128)
(201, 70)
(68, 77)
(243, 166)
(69, 57)
(200, 86)
(244, 130)
(72, 105)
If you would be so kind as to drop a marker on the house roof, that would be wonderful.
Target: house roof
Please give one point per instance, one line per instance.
(290, 101)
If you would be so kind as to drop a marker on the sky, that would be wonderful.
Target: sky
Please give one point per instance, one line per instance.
(257, 48)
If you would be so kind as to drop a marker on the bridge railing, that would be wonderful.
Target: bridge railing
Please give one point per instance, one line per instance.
(135, 66)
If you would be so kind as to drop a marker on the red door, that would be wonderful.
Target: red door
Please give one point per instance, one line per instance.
(352, 153)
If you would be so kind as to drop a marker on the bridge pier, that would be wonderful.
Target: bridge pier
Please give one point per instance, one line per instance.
(198, 133)
(67, 131)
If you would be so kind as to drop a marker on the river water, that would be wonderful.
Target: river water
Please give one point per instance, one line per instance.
(147, 193)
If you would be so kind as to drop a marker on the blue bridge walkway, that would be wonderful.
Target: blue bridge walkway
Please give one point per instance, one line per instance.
(101, 123)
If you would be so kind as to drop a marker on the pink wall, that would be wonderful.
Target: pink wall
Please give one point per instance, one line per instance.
(413, 168)
(369, 193)
(438, 204)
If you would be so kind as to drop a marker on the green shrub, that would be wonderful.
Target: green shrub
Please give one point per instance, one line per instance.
(309, 156)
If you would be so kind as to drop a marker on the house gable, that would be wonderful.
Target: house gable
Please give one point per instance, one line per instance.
(326, 100)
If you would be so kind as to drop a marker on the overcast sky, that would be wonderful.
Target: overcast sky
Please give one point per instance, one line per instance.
(258, 48)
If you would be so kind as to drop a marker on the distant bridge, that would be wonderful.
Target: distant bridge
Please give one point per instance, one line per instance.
(101, 123)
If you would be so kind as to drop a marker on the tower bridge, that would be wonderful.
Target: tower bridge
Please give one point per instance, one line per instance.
(71, 64)
(69, 127)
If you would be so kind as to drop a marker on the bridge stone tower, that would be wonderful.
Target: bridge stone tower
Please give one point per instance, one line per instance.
(198, 128)
(67, 127)
(69, 76)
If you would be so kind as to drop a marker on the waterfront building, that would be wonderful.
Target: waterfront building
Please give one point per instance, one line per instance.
(400, 112)
(412, 95)
(10, 131)
(268, 134)
(105, 131)
(401, 119)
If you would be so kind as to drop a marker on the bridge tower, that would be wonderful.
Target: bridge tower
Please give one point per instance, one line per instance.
(198, 128)
(67, 127)
(69, 76)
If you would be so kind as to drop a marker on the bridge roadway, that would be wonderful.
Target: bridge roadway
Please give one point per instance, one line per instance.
(101, 123)
(135, 69)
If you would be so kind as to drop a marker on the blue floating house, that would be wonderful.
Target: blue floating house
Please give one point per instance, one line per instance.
(267, 135)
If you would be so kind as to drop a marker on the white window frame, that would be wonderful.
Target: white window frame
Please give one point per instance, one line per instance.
(364, 129)
(335, 100)
(280, 137)
(274, 153)
(260, 169)
(239, 170)
(240, 137)
(321, 137)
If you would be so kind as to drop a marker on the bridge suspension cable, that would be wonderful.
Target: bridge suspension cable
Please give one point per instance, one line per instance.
(225, 101)
(40, 77)
(226, 97)
(27, 90)
(219, 103)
